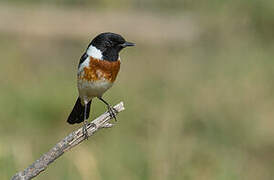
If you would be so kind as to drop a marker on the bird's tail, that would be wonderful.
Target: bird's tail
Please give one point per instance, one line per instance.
(78, 112)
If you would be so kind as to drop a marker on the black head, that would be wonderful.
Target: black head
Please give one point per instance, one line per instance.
(109, 44)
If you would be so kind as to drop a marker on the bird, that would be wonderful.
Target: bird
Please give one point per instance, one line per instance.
(97, 72)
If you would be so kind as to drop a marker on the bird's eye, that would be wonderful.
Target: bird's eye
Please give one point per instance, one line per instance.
(108, 44)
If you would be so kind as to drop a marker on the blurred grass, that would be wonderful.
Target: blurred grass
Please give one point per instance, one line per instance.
(198, 105)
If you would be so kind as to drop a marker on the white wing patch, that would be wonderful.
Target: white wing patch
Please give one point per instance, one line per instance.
(83, 65)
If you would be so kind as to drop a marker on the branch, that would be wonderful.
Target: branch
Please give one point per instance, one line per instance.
(73, 139)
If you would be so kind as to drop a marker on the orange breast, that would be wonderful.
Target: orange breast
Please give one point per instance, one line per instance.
(101, 69)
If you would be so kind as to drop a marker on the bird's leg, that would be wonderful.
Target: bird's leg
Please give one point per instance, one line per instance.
(85, 131)
(111, 110)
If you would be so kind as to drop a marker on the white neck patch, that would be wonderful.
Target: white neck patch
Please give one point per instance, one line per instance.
(94, 52)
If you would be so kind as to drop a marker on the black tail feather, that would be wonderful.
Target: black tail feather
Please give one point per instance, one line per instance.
(78, 111)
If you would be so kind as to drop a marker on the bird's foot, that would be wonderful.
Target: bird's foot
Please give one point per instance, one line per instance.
(112, 111)
(85, 131)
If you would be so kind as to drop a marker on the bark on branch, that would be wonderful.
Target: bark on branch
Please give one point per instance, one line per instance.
(73, 139)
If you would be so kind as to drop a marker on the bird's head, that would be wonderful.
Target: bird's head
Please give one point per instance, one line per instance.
(106, 46)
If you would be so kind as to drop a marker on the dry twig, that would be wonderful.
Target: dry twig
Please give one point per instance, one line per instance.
(73, 139)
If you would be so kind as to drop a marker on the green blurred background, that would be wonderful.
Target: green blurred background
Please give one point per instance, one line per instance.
(198, 88)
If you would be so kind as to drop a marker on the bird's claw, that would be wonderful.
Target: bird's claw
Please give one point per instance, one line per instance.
(112, 111)
(85, 131)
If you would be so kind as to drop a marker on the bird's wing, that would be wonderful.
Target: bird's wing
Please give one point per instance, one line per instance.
(84, 62)
(82, 59)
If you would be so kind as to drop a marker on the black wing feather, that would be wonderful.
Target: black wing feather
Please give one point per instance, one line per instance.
(83, 58)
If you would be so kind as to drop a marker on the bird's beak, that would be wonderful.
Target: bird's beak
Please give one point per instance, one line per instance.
(126, 44)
